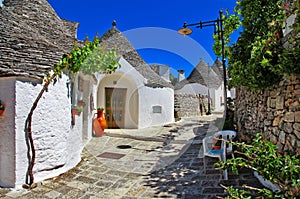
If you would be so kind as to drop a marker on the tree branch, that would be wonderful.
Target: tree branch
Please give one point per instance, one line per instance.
(28, 133)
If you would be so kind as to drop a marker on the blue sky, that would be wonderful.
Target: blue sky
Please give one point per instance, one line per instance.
(151, 26)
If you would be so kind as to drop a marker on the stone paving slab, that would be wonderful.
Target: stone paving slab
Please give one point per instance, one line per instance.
(162, 162)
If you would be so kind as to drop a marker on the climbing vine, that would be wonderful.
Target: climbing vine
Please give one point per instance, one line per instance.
(89, 58)
(258, 59)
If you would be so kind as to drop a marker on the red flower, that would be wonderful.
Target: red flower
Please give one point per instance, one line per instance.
(286, 5)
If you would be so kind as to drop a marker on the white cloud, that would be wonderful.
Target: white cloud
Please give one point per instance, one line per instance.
(1, 3)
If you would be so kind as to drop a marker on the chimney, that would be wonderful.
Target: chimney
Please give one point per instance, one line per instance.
(181, 75)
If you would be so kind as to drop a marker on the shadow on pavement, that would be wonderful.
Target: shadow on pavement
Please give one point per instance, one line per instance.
(186, 177)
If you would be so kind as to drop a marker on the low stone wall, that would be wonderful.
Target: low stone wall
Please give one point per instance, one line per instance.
(187, 105)
(275, 113)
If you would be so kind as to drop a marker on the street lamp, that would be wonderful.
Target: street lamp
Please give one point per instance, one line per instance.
(208, 92)
(218, 24)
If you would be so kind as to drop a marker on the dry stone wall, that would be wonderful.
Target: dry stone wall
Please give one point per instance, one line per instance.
(275, 113)
(187, 105)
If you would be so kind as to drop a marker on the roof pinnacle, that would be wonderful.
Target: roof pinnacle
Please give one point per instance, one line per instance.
(114, 23)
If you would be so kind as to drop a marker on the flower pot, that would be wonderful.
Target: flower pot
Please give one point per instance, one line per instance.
(1, 112)
(217, 147)
(75, 111)
(98, 131)
(101, 119)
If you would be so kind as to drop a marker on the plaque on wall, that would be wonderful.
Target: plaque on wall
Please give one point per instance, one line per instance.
(157, 109)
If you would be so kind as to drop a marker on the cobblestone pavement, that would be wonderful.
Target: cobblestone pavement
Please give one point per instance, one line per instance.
(157, 162)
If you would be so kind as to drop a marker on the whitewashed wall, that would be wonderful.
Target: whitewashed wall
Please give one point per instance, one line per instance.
(58, 144)
(218, 95)
(149, 97)
(88, 114)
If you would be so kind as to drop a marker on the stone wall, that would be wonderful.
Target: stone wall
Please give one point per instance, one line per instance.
(275, 113)
(187, 105)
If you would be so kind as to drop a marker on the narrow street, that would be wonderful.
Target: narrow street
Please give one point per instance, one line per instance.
(157, 162)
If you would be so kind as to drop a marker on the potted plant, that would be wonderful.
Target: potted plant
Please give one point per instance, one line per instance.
(218, 142)
(100, 109)
(2, 108)
(76, 110)
(81, 102)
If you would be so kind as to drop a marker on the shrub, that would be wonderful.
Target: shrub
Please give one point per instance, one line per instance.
(262, 157)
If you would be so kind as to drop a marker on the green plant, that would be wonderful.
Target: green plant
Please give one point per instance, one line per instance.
(250, 192)
(262, 156)
(84, 100)
(81, 102)
(218, 142)
(76, 110)
(100, 108)
(79, 108)
(2, 106)
(259, 59)
(100, 59)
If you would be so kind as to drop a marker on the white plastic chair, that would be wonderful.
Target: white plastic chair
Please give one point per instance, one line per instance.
(226, 148)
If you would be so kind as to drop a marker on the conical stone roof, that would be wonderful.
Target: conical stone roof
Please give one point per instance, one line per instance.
(218, 69)
(32, 38)
(202, 74)
(114, 38)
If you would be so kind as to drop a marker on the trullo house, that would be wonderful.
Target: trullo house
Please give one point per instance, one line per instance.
(33, 39)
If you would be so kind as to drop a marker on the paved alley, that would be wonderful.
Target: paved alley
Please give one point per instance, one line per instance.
(157, 162)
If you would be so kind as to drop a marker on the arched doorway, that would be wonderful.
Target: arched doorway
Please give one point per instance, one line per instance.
(116, 93)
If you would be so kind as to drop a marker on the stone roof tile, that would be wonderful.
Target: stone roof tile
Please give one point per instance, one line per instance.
(218, 69)
(204, 75)
(32, 38)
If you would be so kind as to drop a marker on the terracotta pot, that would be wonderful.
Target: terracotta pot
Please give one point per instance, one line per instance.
(101, 119)
(75, 111)
(81, 103)
(1, 112)
(98, 131)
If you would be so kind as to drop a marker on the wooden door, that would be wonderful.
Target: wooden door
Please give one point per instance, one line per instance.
(115, 100)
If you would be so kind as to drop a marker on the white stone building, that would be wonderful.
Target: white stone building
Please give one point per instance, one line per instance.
(32, 40)
(203, 81)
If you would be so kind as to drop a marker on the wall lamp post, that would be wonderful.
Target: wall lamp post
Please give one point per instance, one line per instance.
(208, 94)
(218, 25)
